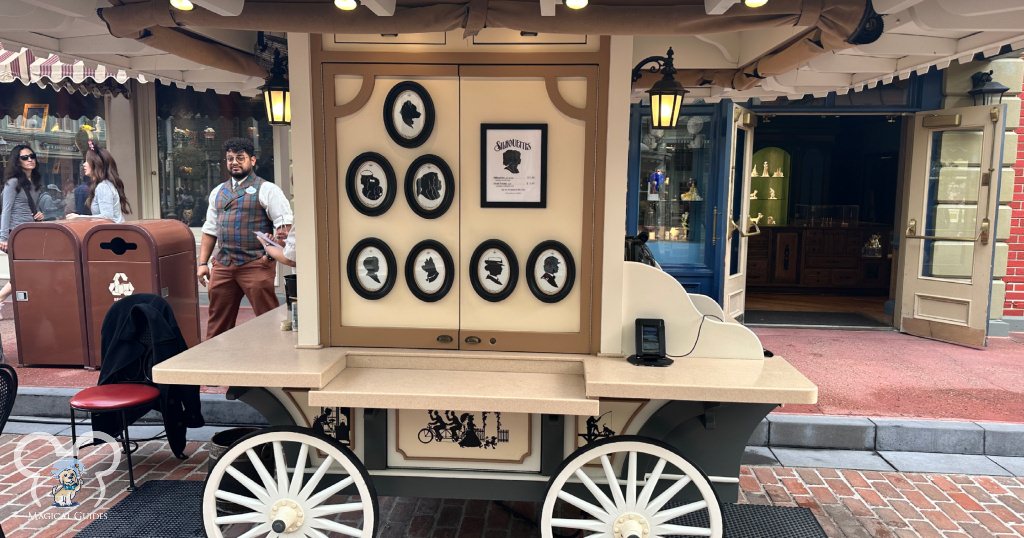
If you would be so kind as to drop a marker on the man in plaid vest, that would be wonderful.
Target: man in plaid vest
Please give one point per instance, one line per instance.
(239, 209)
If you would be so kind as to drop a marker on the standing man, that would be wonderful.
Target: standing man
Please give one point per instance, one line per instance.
(239, 208)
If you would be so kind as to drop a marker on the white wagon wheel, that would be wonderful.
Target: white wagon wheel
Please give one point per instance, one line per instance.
(627, 504)
(291, 498)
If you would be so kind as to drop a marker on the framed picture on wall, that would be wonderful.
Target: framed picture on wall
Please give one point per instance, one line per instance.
(429, 186)
(494, 270)
(429, 271)
(514, 164)
(409, 114)
(371, 269)
(550, 271)
(371, 184)
(35, 116)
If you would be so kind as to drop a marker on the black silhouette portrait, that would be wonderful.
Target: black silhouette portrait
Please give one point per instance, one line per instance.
(431, 269)
(511, 160)
(429, 186)
(551, 265)
(409, 113)
(372, 266)
(371, 186)
(469, 435)
(494, 267)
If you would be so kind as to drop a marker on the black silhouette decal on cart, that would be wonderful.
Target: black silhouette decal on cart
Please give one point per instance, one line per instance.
(334, 422)
(372, 266)
(596, 429)
(409, 113)
(371, 186)
(430, 269)
(429, 186)
(550, 270)
(462, 430)
(494, 267)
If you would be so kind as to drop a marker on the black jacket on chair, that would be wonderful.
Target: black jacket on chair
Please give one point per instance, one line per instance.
(138, 332)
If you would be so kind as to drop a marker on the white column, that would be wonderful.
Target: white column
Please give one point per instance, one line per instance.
(122, 143)
(144, 108)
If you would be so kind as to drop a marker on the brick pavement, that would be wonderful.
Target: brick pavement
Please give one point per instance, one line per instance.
(847, 503)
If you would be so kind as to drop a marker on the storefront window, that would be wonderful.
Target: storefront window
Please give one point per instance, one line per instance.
(191, 127)
(675, 167)
(51, 122)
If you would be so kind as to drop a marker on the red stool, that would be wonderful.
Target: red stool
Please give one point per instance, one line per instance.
(113, 398)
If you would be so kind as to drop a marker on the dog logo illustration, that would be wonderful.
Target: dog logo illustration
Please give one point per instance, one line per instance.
(68, 472)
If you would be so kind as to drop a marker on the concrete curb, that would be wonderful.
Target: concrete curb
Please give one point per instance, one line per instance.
(777, 431)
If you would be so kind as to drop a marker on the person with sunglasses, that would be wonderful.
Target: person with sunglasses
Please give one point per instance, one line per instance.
(22, 185)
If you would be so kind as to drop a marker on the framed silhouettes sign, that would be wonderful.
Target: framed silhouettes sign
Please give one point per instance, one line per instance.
(514, 164)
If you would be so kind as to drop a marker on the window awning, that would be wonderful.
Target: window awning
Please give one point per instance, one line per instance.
(22, 64)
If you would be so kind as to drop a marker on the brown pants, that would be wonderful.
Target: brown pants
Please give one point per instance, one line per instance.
(228, 283)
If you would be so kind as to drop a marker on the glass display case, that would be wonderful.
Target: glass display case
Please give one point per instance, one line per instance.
(769, 187)
(675, 168)
(826, 216)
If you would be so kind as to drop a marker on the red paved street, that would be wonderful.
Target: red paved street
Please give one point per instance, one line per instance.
(846, 503)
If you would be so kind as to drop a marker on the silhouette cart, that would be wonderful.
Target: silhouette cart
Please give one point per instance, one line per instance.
(148, 256)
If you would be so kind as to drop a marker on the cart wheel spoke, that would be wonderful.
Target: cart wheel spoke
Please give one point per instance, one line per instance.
(281, 467)
(334, 526)
(331, 491)
(626, 508)
(248, 517)
(651, 484)
(607, 503)
(300, 471)
(679, 511)
(581, 524)
(584, 505)
(631, 480)
(667, 495)
(268, 481)
(613, 482)
(680, 530)
(252, 486)
(314, 480)
(299, 498)
(332, 509)
(252, 504)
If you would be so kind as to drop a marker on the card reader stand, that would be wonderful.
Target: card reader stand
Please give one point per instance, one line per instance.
(650, 343)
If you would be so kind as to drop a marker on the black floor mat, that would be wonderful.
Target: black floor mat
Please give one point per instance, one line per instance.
(814, 319)
(158, 509)
(759, 521)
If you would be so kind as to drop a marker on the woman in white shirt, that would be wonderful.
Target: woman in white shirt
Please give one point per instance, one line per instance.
(106, 195)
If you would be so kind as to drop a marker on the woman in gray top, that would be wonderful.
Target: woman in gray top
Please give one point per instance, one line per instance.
(106, 195)
(21, 190)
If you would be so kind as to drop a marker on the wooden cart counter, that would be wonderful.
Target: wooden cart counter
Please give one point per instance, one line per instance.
(259, 354)
(254, 354)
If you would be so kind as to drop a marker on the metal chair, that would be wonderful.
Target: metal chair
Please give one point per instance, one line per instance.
(8, 392)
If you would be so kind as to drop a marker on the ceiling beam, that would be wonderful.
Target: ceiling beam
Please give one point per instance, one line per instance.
(849, 63)
(163, 62)
(243, 40)
(812, 78)
(381, 8)
(935, 17)
(892, 6)
(103, 44)
(70, 8)
(214, 76)
(547, 7)
(988, 7)
(902, 44)
(224, 8)
(718, 7)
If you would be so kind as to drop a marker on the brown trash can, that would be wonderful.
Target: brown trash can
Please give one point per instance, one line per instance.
(50, 319)
(146, 256)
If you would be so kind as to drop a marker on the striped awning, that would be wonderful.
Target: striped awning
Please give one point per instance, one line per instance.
(22, 64)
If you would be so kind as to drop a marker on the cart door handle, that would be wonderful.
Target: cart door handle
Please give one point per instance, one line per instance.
(444, 339)
(472, 339)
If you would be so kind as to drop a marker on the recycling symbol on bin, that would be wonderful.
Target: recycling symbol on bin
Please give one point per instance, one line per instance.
(120, 286)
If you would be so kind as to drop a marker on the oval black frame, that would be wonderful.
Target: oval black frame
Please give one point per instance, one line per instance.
(570, 271)
(410, 186)
(410, 271)
(389, 178)
(389, 258)
(513, 264)
(428, 119)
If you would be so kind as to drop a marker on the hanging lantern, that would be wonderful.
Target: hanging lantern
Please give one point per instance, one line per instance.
(986, 91)
(666, 94)
(276, 95)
